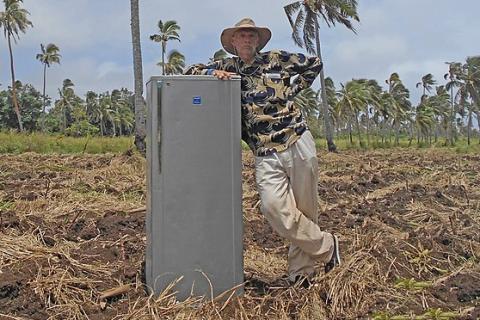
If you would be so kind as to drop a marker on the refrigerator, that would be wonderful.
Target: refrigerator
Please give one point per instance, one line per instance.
(194, 223)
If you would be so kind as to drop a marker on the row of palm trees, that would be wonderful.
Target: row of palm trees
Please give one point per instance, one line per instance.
(107, 113)
(364, 106)
(175, 62)
(14, 20)
(430, 116)
(359, 103)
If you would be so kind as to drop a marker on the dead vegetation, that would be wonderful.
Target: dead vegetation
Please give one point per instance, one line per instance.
(72, 241)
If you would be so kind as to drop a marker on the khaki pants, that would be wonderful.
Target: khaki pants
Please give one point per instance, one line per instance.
(287, 184)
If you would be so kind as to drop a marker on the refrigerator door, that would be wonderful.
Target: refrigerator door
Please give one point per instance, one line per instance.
(194, 200)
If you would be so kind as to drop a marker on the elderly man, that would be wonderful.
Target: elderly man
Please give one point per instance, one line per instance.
(286, 167)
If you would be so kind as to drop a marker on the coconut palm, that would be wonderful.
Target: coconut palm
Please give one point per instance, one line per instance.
(425, 108)
(175, 64)
(454, 68)
(66, 101)
(307, 102)
(424, 118)
(331, 93)
(105, 113)
(373, 102)
(166, 31)
(122, 116)
(304, 20)
(469, 80)
(219, 55)
(352, 99)
(441, 109)
(48, 56)
(427, 83)
(91, 105)
(140, 132)
(399, 103)
(13, 21)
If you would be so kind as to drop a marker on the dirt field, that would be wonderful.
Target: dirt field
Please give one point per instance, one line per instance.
(409, 222)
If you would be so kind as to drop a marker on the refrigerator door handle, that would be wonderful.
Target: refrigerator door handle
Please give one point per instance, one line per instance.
(159, 125)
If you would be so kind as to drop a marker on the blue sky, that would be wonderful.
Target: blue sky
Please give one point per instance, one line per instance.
(411, 37)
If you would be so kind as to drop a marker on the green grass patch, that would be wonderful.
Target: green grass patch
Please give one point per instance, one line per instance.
(16, 143)
(343, 143)
(42, 143)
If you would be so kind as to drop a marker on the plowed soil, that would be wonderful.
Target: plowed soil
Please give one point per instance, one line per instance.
(72, 227)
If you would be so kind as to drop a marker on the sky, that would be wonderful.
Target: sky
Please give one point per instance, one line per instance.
(410, 37)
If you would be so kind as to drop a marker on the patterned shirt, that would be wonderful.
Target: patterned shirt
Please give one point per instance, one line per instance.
(271, 122)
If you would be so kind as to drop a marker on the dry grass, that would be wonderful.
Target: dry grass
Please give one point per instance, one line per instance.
(71, 230)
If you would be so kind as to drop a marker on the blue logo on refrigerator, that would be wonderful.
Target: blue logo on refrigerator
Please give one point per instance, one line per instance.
(197, 100)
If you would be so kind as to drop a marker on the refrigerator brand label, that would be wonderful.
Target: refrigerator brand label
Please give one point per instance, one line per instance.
(197, 100)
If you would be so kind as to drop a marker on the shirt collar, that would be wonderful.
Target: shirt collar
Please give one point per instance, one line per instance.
(257, 59)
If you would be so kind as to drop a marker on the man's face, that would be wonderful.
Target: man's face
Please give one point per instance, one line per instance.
(245, 42)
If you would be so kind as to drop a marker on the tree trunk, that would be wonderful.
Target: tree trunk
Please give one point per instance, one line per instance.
(64, 118)
(411, 134)
(368, 126)
(476, 103)
(469, 125)
(44, 99)
(451, 120)
(14, 94)
(326, 113)
(358, 131)
(164, 48)
(138, 75)
(349, 125)
(397, 133)
(478, 124)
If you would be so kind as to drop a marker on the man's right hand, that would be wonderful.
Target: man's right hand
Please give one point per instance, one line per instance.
(223, 75)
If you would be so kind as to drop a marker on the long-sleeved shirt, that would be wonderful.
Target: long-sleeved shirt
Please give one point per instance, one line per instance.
(271, 122)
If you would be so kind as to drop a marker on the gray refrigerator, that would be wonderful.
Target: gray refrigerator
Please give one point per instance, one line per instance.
(194, 218)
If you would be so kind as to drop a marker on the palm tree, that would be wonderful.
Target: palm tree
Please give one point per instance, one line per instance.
(424, 109)
(398, 100)
(352, 99)
(219, 55)
(373, 102)
(331, 94)
(454, 68)
(175, 64)
(14, 20)
(307, 102)
(441, 109)
(122, 115)
(66, 101)
(469, 77)
(124, 118)
(106, 113)
(139, 103)
(426, 83)
(91, 105)
(303, 16)
(424, 118)
(48, 56)
(167, 31)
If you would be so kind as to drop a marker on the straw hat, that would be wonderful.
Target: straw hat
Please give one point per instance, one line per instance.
(264, 34)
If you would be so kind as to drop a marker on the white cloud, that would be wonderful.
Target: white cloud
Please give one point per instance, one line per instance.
(405, 36)
(77, 25)
(373, 49)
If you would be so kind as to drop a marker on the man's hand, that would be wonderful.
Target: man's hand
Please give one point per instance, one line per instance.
(223, 75)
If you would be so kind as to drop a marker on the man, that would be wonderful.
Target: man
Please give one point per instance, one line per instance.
(286, 165)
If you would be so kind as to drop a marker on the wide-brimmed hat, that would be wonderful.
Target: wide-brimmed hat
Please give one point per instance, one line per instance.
(264, 34)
